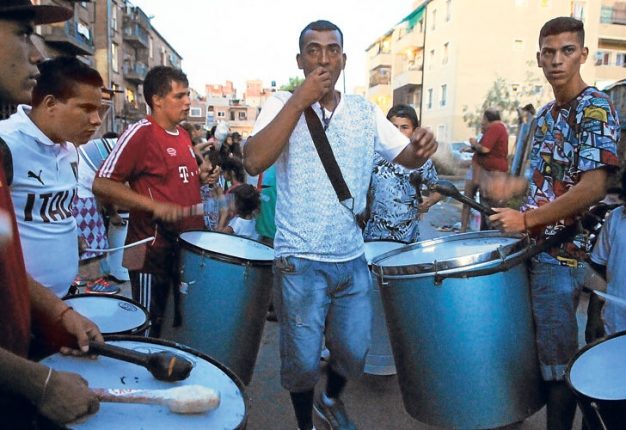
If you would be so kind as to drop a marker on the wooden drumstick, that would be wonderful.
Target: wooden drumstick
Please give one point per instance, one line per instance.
(188, 399)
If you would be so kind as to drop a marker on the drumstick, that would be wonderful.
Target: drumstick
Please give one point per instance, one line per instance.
(188, 399)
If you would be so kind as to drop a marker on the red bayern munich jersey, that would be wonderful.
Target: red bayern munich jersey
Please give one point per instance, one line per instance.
(157, 164)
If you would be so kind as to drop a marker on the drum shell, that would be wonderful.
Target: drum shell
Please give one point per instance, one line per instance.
(612, 412)
(379, 360)
(106, 372)
(464, 349)
(223, 308)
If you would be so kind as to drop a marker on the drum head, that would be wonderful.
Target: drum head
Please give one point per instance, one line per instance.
(106, 372)
(599, 370)
(112, 314)
(467, 250)
(229, 246)
(375, 248)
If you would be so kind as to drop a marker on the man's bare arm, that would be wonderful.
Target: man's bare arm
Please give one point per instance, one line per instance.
(117, 193)
(264, 148)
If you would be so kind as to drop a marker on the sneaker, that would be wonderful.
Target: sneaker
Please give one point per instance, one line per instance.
(101, 286)
(333, 412)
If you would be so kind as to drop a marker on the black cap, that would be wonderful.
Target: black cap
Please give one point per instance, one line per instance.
(42, 14)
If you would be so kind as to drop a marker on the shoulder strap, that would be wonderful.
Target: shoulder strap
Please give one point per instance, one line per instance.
(7, 161)
(329, 162)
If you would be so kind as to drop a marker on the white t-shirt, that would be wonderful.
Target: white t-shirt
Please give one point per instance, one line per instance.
(244, 227)
(43, 187)
(310, 221)
(610, 251)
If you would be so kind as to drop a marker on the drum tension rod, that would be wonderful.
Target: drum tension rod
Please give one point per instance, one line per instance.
(501, 253)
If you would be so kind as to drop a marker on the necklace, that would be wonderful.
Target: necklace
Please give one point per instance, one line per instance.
(325, 120)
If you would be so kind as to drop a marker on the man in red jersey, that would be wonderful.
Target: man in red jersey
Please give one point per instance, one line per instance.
(155, 157)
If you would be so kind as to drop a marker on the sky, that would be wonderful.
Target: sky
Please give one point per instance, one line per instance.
(238, 40)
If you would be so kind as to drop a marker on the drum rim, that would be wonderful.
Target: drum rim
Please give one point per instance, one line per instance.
(454, 264)
(220, 256)
(580, 352)
(200, 354)
(141, 329)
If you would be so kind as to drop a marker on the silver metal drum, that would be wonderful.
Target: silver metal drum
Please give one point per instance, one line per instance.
(379, 360)
(460, 323)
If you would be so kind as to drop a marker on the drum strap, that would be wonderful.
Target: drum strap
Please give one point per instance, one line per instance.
(329, 162)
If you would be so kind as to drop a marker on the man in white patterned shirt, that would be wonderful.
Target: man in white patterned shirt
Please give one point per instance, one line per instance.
(321, 278)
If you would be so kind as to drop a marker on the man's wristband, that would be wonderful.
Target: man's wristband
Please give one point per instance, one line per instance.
(63, 312)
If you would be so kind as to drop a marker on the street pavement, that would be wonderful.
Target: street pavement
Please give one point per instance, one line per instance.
(373, 402)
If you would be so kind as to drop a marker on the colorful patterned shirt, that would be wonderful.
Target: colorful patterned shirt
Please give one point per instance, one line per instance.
(393, 203)
(569, 140)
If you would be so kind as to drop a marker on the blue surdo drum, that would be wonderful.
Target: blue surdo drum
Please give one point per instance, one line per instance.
(105, 372)
(379, 360)
(225, 292)
(460, 323)
(597, 375)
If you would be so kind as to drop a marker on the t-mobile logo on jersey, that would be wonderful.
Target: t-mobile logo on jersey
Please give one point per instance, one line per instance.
(184, 173)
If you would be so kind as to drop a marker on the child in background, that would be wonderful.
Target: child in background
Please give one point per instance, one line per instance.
(246, 203)
(212, 194)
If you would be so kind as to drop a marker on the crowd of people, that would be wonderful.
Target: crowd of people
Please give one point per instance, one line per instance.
(282, 188)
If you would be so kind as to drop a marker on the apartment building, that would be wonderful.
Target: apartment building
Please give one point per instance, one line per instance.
(127, 46)
(445, 55)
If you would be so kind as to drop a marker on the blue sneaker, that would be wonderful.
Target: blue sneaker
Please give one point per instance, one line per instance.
(101, 286)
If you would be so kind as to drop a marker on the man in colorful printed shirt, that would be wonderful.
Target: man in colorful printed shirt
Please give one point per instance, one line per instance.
(573, 148)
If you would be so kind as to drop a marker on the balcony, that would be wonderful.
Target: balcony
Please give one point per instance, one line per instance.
(413, 40)
(136, 35)
(71, 37)
(135, 73)
(410, 75)
(133, 111)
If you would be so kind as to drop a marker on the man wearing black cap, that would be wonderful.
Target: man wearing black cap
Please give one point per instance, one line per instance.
(27, 388)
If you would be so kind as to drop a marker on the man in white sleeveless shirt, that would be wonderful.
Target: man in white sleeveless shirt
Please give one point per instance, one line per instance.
(321, 278)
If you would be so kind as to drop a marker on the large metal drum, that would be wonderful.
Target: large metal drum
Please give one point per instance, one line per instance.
(379, 360)
(597, 375)
(105, 372)
(225, 293)
(461, 329)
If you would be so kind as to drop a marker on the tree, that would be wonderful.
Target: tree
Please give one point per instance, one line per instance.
(507, 98)
(294, 82)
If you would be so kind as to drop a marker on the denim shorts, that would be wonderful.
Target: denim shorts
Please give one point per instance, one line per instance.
(314, 299)
(555, 292)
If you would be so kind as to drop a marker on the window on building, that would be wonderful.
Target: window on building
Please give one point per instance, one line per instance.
(578, 10)
(603, 58)
(114, 18)
(130, 96)
(430, 99)
(448, 10)
(433, 18)
(114, 57)
(432, 58)
(151, 47)
(195, 111)
(444, 59)
(421, 24)
(221, 114)
(518, 45)
(444, 94)
(163, 56)
(242, 116)
(620, 60)
(441, 133)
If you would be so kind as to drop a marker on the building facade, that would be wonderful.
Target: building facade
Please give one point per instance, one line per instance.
(445, 55)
